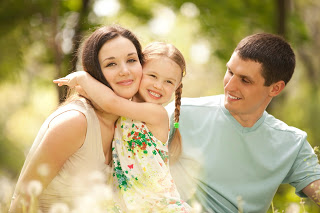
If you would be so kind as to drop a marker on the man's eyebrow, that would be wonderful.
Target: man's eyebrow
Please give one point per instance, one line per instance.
(241, 76)
(247, 77)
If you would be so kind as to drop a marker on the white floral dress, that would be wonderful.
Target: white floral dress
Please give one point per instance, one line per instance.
(140, 177)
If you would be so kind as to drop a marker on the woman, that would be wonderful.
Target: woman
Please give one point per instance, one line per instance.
(75, 140)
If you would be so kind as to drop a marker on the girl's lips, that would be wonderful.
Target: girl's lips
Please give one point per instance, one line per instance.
(154, 95)
(125, 82)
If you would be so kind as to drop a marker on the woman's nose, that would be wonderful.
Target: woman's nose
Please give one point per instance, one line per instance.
(124, 70)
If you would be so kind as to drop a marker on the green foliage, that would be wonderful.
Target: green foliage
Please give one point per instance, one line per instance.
(140, 8)
(31, 37)
(11, 156)
(72, 5)
(227, 22)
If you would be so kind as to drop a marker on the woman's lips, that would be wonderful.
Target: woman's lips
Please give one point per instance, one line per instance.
(125, 82)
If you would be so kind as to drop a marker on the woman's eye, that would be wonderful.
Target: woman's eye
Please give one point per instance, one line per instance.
(132, 60)
(170, 82)
(111, 64)
(153, 76)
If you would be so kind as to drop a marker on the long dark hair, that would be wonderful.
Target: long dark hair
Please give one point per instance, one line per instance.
(90, 51)
(93, 44)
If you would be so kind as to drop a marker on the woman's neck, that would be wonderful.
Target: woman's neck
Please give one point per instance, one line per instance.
(106, 118)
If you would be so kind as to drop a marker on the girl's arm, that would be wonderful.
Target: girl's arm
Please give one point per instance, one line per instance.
(65, 135)
(102, 95)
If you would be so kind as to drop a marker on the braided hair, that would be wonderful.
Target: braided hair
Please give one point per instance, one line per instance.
(156, 49)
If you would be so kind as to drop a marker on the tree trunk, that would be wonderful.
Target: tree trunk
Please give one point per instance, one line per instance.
(56, 44)
(281, 10)
(281, 18)
(78, 33)
(59, 56)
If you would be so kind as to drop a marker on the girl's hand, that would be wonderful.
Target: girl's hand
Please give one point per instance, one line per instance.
(70, 80)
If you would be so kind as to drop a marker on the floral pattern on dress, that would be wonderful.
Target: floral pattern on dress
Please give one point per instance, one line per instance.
(141, 177)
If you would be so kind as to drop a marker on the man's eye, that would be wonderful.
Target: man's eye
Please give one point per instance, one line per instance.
(245, 81)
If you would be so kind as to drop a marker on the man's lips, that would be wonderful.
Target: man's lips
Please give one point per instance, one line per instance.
(232, 97)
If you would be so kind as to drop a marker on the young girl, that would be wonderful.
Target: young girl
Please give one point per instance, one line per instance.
(75, 140)
(141, 175)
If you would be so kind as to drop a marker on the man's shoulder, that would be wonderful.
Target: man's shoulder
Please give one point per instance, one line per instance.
(280, 126)
(200, 102)
(206, 101)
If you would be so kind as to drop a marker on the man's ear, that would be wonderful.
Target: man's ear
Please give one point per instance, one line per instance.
(276, 88)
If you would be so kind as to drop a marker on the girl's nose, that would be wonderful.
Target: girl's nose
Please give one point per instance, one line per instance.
(158, 85)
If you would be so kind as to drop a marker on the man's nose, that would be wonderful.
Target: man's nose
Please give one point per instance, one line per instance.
(230, 83)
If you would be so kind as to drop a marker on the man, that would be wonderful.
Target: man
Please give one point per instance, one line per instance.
(235, 154)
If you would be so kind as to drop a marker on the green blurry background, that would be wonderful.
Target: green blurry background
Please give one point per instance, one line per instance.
(39, 39)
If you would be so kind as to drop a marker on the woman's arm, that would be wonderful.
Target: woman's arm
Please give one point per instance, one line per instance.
(65, 135)
(107, 100)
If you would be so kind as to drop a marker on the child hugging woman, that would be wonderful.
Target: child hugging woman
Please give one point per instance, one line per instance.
(141, 177)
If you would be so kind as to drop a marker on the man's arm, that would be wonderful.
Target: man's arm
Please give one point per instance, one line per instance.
(313, 191)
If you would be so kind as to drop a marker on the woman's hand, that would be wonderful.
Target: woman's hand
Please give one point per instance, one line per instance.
(71, 80)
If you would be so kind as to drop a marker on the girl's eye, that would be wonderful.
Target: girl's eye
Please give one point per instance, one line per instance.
(170, 82)
(111, 64)
(132, 60)
(153, 76)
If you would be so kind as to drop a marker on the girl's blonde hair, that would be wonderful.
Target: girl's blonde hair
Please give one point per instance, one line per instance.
(156, 50)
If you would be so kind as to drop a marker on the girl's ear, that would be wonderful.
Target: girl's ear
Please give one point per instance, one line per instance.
(178, 85)
(276, 88)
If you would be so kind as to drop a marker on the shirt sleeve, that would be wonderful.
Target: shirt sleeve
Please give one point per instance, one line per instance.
(305, 169)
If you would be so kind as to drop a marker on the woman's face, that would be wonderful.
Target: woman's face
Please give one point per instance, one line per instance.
(120, 66)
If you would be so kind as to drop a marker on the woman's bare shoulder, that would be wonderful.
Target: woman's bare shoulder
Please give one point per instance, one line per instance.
(70, 125)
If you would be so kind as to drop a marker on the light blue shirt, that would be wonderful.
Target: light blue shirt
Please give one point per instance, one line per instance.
(224, 164)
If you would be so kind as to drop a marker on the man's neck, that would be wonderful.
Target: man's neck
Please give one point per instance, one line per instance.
(247, 120)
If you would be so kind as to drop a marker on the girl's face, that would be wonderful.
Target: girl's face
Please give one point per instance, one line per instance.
(161, 77)
(120, 66)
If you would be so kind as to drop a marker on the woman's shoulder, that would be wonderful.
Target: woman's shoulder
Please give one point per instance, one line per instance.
(69, 127)
(70, 118)
(81, 104)
(73, 109)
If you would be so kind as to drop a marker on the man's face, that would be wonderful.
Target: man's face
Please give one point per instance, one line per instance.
(245, 94)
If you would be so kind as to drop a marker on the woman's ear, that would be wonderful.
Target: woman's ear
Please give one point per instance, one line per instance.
(276, 88)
